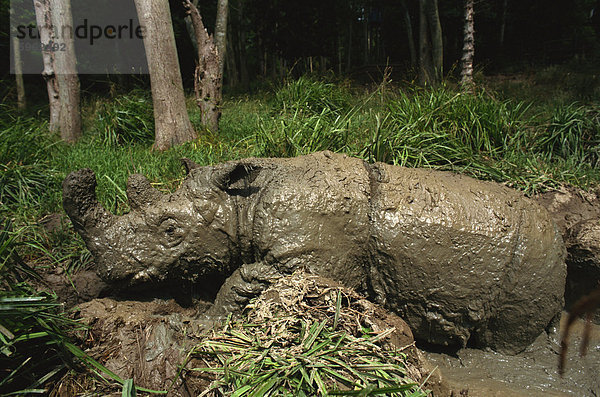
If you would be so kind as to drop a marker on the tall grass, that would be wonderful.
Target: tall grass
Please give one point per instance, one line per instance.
(25, 173)
(573, 132)
(307, 115)
(126, 119)
(502, 140)
(33, 328)
(446, 129)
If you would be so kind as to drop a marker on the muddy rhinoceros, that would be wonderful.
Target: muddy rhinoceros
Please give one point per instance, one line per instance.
(461, 260)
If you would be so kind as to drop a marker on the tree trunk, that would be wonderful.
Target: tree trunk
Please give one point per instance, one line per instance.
(189, 26)
(44, 22)
(232, 70)
(240, 45)
(503, 22)
(349, 52)
(365, 38)
(221, 33)
(425, 72)
(409, 35)
(208, 79)
(21, 102)
(66, 72)
(172, 123)
(437, 43)
(468, 47)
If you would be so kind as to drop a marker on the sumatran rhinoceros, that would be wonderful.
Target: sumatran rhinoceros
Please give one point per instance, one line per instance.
(460, 260)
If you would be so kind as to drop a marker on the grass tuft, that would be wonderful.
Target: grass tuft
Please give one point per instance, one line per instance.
(312, 339)
(127, 119)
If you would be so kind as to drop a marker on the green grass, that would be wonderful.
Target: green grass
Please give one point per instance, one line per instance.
(33, 327)
(301, 345)
(529, 145)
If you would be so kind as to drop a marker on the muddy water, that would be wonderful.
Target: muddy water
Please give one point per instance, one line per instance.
(530, 373)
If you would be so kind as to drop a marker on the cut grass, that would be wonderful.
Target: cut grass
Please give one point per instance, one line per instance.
(312, 339)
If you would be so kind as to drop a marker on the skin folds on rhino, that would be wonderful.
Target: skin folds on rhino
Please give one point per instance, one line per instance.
(459, 259)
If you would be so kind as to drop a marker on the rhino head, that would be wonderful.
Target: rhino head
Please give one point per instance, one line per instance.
(184, 235)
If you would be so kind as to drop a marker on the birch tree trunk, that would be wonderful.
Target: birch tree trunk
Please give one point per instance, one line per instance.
(21, 102)
(44, 23)
(66, 71)
(466, 73)
(221, 33)
(208, 79)
(172, 123)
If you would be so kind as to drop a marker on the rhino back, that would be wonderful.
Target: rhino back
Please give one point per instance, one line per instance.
(461, 258)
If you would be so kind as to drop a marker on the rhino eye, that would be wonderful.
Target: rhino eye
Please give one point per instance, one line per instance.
(172, 232)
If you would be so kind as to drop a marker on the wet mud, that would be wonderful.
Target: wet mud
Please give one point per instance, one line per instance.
(531, 373)
(462, 261)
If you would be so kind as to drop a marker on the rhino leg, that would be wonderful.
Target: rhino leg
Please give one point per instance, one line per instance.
(244, 284)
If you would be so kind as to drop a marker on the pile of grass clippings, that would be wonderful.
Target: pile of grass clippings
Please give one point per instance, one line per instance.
(304, 337)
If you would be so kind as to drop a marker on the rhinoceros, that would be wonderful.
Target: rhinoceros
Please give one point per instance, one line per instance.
(461, 260)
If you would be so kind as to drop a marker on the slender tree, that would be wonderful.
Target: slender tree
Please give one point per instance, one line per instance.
(437, 44)
(503, 23)
(172, 123)
(21, 102)
(409, 34)
(425, 62)
(189, 26)
(55, 25)
(221, 32)
(431, 46)
(468, 47)
(66, 71)
(46, 32)
(208, 79)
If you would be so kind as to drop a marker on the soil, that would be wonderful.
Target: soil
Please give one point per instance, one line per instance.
(149, 340)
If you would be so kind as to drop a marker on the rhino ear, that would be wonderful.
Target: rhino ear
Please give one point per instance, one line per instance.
(140, 192)
(188, 165)
(235, 176)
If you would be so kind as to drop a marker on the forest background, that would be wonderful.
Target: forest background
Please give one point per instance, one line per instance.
(361, 77)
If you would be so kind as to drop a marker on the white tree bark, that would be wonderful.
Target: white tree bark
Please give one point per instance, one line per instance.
(66, 71)
(21, 102)
(172, 123)
(468, 46)
(44, 23)
(221, 32)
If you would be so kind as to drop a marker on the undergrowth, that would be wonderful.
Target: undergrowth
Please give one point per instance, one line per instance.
(530, 146)
(304, 337)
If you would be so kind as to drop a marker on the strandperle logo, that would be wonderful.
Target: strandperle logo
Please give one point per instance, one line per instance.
(107, 36)
(88, 31)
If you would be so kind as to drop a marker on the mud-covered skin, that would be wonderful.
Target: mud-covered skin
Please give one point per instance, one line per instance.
(459, 259)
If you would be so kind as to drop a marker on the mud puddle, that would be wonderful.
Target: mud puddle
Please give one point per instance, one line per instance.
(530, 373)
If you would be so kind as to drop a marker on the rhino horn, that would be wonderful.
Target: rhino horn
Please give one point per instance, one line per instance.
(140, 192)
(80, 202)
